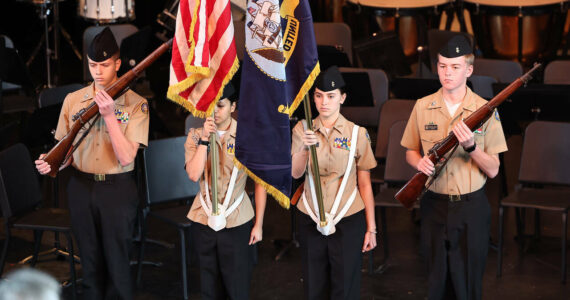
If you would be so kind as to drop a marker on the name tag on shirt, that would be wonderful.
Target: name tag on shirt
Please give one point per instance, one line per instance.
(430, 127)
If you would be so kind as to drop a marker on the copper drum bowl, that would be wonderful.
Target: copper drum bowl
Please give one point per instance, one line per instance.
(409, 18)
(523, 30)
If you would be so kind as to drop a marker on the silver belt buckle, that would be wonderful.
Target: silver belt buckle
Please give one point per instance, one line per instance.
(99, 177)
(454, 198)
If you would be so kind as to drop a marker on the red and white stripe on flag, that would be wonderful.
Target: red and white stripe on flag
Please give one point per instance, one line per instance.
(203, 54)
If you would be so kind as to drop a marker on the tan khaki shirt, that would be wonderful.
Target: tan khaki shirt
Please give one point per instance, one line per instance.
(430, 122)
(226, 152)
(332, 153)
(95, 154)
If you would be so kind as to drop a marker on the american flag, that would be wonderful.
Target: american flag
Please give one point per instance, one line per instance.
(203, 54)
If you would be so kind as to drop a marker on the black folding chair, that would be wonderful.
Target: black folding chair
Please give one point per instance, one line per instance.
(392, 111)
(556, 72)
(397, 172)
(20, 199)
(167, 181)
(505, 71)
(56, 95)
(544, 183)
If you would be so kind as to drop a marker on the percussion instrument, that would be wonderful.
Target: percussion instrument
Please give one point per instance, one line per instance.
(107, 11)
(167, 17)
(409, 18)
(525, 30)
(39, 2)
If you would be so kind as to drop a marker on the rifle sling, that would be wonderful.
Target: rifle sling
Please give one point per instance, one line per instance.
(76, 145)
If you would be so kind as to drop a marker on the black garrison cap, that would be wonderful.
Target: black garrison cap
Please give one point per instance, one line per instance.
(329, 80)
(457, 46)
(228, 91)
(103, 46)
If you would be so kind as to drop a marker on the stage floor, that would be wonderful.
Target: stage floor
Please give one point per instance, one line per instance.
(536, 275)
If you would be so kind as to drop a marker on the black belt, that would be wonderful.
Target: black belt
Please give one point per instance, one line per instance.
(103, 177)
(454, 198)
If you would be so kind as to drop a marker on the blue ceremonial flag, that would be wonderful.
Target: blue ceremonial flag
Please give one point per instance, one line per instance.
(279, 67)
(263, 137)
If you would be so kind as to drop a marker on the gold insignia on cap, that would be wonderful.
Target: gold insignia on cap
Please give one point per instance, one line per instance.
(105, 53)
(457, 49)
(332, 83)
(86, 96)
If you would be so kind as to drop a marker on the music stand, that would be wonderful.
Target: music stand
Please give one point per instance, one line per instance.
(359, 89)
(382, 51)
(332, 56)
(415, 88)
(536, 101)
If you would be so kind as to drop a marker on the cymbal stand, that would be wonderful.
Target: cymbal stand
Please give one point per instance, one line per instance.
(292, 243)
(57, 29)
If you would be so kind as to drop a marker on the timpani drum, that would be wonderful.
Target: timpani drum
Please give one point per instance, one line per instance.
(411, 19)
(107, 11)
(523, 30)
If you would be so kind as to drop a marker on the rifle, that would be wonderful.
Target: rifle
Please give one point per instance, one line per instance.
(63, 150)
(415, 188)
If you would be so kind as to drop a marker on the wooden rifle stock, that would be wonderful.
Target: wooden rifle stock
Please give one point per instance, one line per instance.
(415, 187)
(62, 151)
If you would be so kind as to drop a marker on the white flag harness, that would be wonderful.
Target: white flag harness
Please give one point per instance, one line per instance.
(332, 217)
(218, 222)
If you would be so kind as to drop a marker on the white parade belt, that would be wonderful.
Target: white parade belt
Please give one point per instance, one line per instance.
(332, 218)
(218, 222)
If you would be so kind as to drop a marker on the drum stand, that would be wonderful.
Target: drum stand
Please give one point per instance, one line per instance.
(286, 245)
(57, 30)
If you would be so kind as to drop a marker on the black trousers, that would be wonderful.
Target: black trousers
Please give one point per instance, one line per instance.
(455, 242)
(225, 259)
(332, 264)
(102, 219)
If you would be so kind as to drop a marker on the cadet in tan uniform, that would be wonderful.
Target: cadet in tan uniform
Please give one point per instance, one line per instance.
(455, 210)
(223, 242)
(332, 257)
(102, 192)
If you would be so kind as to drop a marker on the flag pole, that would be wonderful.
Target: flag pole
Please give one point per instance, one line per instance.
(315, 164)
(214, 167)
